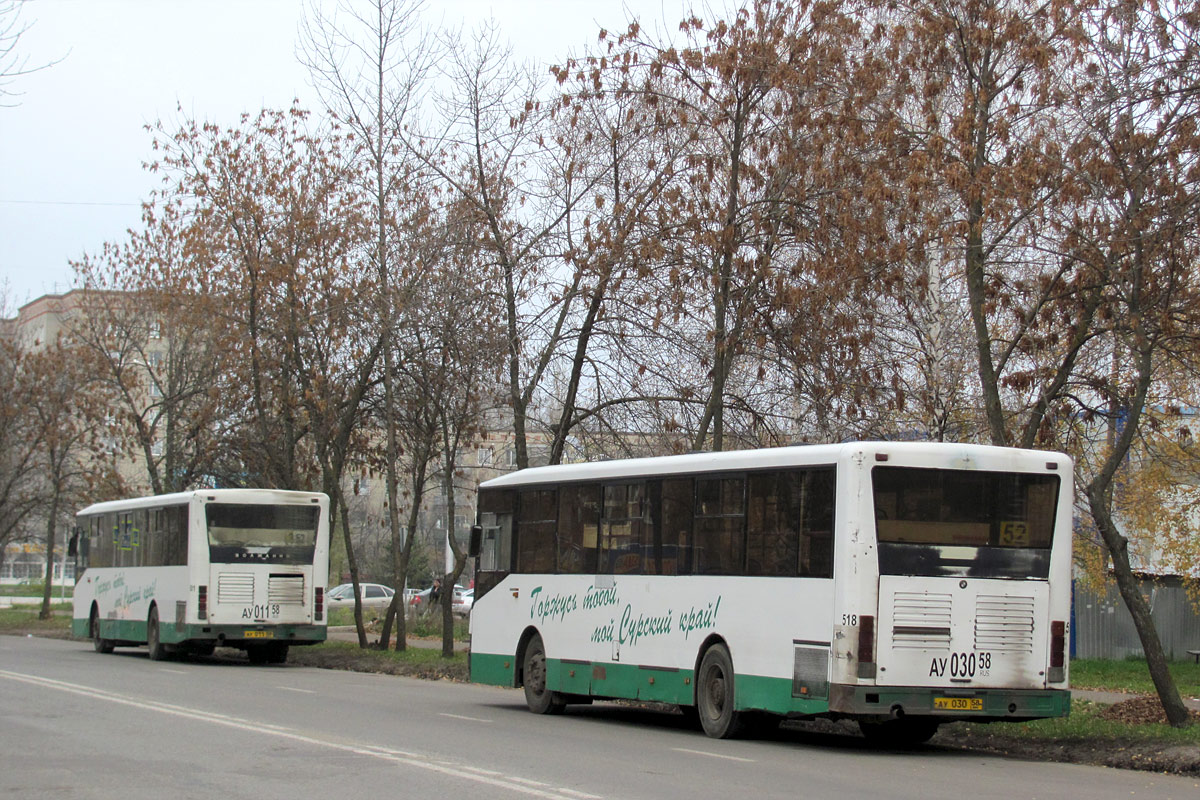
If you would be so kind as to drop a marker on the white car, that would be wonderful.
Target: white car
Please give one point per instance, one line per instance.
(374, 595)
(468, 601)
(461, 604)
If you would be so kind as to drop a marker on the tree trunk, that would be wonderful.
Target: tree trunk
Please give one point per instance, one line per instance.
(1156, 660)
(1099, 494)
(51, 530)
(337, 515)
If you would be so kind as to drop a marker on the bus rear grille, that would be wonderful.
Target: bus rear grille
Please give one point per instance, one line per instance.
(1004, 623)
(286, 589)
(921, 620)
(235, 587)
(810, 670)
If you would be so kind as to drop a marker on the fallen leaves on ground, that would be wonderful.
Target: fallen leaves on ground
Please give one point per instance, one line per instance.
(1141, 710)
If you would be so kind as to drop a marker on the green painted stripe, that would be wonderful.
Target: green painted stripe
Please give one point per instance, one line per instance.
(170, 633)
(497, 670)
(774, 695)
(635, 682)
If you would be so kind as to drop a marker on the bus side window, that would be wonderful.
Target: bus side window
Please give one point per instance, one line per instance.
(537, 524)
(621, 548)
(175, 537)
(152, 539)
(496, 519)
(816, 542)
(773, 523)
(720, 526)
(673, 545)
(102, 540)
(578, 528)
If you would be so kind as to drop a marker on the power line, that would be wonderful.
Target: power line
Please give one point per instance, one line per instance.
(66, 203)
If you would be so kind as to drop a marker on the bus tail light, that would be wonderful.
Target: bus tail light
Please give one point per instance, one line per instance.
(866, 647)
(1058, 651)
(202, 602)
(319, 603)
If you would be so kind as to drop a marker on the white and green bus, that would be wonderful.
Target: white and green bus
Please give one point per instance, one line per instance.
(901, 585)
(189, 572)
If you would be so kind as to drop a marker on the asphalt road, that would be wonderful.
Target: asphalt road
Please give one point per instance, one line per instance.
(76, 724)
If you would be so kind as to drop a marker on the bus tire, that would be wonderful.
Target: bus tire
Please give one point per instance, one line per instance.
(714, 695)
(533, 675)
(98, 644)
(277, 653)
(904, 732)
(154, 646)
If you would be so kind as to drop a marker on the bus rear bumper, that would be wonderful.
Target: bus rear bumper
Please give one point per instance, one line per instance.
(242, 635)
(950, 704)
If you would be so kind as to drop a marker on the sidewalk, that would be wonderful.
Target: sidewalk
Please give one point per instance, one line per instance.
(1112, 698)
(8, 602)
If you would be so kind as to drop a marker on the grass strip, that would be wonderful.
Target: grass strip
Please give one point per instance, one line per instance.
(1131, 675)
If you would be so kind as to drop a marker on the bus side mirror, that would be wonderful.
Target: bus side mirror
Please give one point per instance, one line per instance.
(476, 541)
(73, 546)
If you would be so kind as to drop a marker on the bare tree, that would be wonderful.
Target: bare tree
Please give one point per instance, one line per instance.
(496, 154)
(73, 461)
(13, 63)
(156, 349)
(1137, 233)
(369, 63)
(20, 443)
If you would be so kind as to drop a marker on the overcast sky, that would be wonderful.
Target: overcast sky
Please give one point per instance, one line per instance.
(72, 149)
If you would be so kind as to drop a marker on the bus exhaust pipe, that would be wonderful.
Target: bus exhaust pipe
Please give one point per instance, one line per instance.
(897, 712)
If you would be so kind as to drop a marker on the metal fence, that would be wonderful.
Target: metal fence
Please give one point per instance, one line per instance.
(1103, 628)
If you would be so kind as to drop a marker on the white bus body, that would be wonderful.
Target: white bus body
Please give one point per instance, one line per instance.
(243, 568)
(899, 584)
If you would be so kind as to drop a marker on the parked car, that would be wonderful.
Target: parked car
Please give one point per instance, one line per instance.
(459, 603)
(374, 595)
(468, 602)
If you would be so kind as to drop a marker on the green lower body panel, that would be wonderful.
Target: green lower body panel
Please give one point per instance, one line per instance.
(134, 632)
(649, 683)
(497, 670)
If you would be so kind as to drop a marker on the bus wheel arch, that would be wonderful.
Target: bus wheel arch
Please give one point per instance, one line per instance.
(531, 663)
(154, 646)
(99, 644)
(709, 641)
(715, 695)
(519, 664)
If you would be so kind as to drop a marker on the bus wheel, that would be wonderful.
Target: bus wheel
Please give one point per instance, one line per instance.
(98, 644)
(257, 653)
(903, 732)
(156, 649)
(539, 699)
(714, 695)
(277, 653)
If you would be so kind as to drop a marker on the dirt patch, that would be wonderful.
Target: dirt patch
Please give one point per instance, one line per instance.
(1118, 752)
(1141, 710)
(369, 661)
